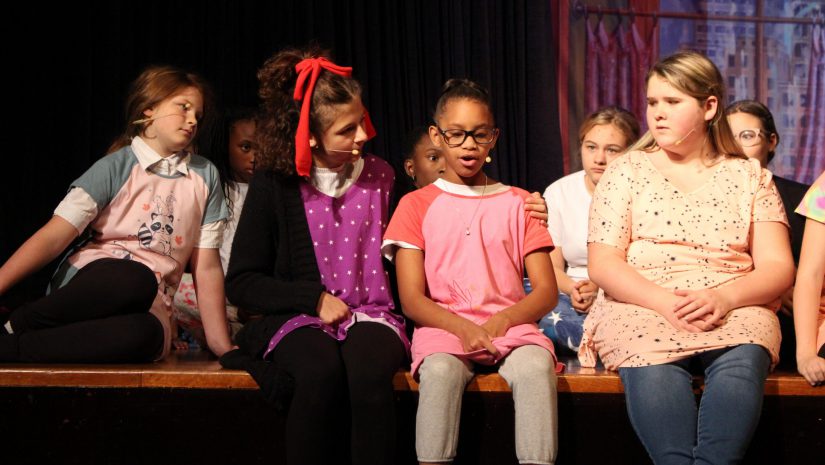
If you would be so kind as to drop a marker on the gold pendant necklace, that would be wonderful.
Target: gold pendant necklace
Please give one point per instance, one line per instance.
(478, 204)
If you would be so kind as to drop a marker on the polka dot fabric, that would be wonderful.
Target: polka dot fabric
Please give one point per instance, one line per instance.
(678, 240)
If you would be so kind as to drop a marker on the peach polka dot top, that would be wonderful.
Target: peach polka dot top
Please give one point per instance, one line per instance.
(678, 240)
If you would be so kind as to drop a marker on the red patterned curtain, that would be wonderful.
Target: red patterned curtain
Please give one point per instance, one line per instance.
(812, 139)
(616, 65)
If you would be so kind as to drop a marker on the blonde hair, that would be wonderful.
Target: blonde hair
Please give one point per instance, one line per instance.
(695, 75)
(618, 117)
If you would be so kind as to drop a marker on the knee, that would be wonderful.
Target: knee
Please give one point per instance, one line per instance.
(322, 374)
(143, 286)
(749, 361)
(443, 369)
(654, 375)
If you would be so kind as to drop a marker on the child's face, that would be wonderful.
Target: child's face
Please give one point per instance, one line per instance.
(242, 148)
(426, 164)
(335, 146)
(676, 120)
(748, 130)
(465, 161)
(602, 144)
(174, 122)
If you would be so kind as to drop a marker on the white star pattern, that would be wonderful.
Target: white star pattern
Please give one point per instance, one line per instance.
(555, 317)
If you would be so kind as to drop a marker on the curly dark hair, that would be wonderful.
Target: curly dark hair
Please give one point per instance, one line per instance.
(278, 120)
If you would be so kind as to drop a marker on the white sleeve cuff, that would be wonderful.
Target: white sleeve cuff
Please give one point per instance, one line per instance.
(78, 208)
(389, 247)
(211, 235)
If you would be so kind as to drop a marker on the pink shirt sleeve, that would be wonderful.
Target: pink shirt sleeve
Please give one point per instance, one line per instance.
(767, 204)
(405, 228)
(536, 236)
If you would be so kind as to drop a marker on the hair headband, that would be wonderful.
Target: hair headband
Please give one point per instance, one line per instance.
(308, 70)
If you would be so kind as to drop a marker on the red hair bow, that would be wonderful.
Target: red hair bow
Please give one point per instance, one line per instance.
(308, 70)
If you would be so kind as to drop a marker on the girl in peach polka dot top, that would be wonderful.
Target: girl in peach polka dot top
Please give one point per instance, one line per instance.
(689, 241)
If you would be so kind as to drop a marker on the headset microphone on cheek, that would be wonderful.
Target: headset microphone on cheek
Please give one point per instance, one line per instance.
(353, 151)
(682, 139)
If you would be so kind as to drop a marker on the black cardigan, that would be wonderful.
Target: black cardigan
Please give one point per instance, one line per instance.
(272, 273)
(792, 193)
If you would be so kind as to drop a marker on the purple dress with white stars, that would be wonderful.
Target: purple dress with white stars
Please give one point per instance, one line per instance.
(346, 233)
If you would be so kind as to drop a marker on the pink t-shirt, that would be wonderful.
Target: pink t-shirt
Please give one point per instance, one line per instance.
(473, 275)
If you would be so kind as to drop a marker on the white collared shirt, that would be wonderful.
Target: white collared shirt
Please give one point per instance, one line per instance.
(80, 209)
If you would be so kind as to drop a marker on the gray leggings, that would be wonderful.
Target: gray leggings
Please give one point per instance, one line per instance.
(529, 370)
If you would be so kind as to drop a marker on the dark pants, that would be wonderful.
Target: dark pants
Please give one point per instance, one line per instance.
(100, 316)
(331, 376)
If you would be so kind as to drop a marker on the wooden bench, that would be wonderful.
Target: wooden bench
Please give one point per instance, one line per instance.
(197, 370)
(85, 414)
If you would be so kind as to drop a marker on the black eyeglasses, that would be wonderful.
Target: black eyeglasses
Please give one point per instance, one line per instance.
(456, 137)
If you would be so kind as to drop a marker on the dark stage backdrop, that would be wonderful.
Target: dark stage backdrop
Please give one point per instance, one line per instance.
(66, 69)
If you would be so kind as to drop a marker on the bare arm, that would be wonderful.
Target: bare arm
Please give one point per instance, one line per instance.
(207, 275)
(44, 246)
(418, 307)
(534, 305)
(807, 300)
(608, 268)
(565, 284)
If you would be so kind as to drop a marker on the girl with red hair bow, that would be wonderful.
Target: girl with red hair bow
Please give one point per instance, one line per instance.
(306, 258)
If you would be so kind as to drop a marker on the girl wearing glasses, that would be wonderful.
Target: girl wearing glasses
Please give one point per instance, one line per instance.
(753, 127)
(461, 246)
(689, 241)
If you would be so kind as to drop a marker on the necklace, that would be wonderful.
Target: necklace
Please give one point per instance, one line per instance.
(480, 198)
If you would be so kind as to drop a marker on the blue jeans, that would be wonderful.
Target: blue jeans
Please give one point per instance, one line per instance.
(662, 408)
(563, 325)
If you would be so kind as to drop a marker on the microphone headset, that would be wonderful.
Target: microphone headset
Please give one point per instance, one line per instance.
(353, 151)
(153, 118)
(682, 139)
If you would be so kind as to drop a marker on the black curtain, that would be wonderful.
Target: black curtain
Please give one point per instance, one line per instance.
(65, 78)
